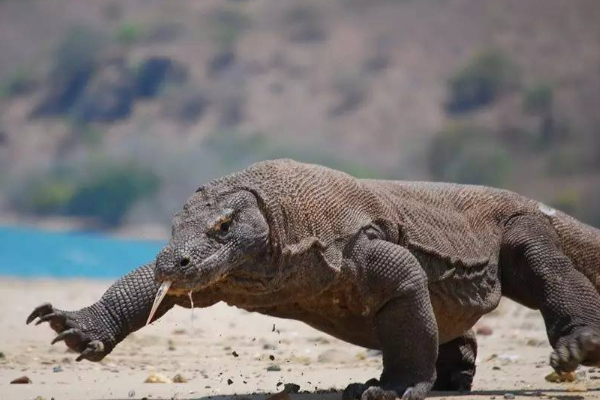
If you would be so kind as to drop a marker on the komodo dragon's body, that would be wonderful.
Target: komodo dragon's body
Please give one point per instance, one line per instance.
(404, 267)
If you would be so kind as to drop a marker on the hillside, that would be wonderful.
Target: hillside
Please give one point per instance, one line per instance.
(117, 111)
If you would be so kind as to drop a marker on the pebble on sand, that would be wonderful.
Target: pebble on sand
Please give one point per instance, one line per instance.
(273, 368)
(577, 387)
(179, 379)
(21, 380)
(484, 330)
(291, 388)
(559, 378)
(157, 378)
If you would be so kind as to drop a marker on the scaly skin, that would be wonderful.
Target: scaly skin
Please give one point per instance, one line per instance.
(375, 263)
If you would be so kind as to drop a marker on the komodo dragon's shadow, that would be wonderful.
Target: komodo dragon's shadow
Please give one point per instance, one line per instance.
(560, 394)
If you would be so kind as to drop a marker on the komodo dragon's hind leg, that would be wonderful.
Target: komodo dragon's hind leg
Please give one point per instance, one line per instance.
(537, 274)
(456, 364)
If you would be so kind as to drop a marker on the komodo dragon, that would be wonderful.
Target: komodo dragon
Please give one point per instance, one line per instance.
(404, 267)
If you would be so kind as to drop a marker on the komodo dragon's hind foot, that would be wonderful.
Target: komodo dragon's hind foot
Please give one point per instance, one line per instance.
(580, 347)
(456, 364)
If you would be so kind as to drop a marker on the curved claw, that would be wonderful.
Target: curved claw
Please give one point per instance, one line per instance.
(48, 317)
(93, 347)
(39, 311)
(63, 335)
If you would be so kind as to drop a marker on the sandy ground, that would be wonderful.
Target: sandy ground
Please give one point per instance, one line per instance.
(512, 360)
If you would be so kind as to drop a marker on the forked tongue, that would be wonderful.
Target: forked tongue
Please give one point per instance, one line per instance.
(160, 295)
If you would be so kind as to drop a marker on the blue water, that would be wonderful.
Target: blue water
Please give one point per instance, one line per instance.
(26, 252)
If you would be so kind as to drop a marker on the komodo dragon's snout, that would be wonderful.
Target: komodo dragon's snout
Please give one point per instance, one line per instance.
(214, 235)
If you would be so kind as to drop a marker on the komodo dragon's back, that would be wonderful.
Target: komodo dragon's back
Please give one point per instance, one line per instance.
(459, 223)
(464, 223)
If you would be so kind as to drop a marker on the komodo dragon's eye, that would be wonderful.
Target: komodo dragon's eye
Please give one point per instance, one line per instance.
(223, 224)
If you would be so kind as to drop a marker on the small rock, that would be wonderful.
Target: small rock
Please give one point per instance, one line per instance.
(535, 342)
(57, 368)
(559, 378)
(509, 396)
(577, 387)
(581, 375)
(273, 368)
(2, 356)
(229, 381)
(233, 353)
(279, 396)
(22, 380)
(496, 368)
(179, 379)
(291, 388)
(131, 393)
(157, 378)
(484, 330)
(171, 345)
(508, 358)
(272, 357)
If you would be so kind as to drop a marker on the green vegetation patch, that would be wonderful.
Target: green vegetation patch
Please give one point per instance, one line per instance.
(481, 81)
(469, 154)
(105, 193)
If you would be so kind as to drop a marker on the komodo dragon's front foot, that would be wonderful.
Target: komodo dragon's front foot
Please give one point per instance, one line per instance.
(94, 331)
(80, 331)
(371, 390)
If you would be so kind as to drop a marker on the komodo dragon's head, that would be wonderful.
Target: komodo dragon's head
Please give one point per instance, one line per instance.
(218, 233)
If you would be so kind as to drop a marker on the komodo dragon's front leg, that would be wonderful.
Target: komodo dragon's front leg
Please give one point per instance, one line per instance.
(405, 324)
(95, 330)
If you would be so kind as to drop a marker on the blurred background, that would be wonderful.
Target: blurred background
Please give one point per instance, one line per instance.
(112, 113)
